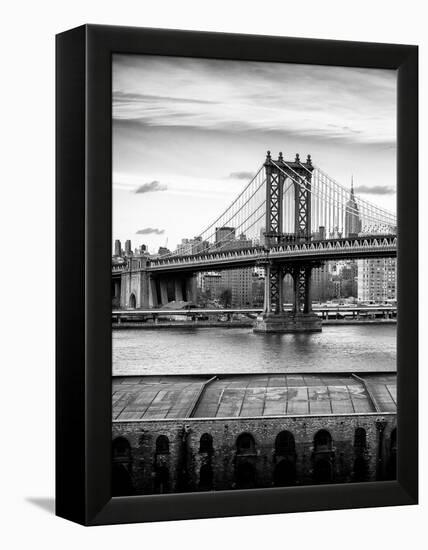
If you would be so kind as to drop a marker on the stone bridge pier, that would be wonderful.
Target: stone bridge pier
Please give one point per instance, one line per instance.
(140, 289)
(301, 318)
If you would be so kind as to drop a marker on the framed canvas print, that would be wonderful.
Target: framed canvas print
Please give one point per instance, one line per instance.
(236, 275)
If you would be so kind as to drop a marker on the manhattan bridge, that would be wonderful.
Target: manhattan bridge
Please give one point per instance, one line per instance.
(292, 218)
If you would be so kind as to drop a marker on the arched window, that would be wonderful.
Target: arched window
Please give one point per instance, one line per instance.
(206, 478)
(284, 444)
(206, 443)
(245, 444)
(322, 441)
(162, 445)
(360, 439)
(132, 301)
(121, 449)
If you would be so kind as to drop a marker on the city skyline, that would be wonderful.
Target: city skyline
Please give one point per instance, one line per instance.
(193, 148)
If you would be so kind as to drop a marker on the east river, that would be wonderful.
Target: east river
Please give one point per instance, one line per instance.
(352, 348)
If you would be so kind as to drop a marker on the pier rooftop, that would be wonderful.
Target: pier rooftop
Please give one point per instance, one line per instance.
(232, 396)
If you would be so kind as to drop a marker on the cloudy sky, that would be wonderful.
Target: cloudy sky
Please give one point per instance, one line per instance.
(189, 133)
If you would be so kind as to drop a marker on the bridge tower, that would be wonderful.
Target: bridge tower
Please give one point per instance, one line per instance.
(274, 318)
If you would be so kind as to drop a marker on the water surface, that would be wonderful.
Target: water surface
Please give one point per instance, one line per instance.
(354, 348)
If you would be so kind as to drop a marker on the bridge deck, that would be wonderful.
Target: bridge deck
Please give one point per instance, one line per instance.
(170, 397)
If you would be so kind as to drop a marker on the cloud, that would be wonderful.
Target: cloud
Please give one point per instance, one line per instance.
(375, 189)
(337, 103)
(130, 98)
(241, 175)
(151, 186)
(150, 231)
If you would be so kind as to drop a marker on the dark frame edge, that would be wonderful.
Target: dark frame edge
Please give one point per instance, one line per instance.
(82, 494)
(239, 503)
(407, 210)
(70, 109)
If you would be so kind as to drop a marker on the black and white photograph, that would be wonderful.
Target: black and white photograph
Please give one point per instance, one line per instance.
(254, 275)
(213, 291)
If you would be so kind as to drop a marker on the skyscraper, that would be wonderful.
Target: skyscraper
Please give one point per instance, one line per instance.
(352, 216)
(117, 248)
(239, 281)
(128, 248)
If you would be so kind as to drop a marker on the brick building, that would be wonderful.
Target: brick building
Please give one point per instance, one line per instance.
(251, 431)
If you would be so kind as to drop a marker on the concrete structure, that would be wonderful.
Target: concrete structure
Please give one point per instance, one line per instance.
(377, 280)
(178, 434)
(138, 289)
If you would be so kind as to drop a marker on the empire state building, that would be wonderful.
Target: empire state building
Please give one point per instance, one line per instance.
(352, 216)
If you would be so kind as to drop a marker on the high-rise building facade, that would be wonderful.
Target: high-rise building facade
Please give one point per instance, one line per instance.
(224, 235)
(211, 283)
(321, 283)
(240, 283)
(377, 280)
(349, 279)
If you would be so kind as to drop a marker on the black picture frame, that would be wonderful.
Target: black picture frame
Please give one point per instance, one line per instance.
(83, 274)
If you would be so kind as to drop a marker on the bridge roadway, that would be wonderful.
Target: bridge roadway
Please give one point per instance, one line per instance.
(376, 246)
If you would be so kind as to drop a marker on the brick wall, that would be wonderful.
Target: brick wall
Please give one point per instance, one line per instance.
(226, 467)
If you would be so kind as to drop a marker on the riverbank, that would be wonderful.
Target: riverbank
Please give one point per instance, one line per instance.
(239, 324)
